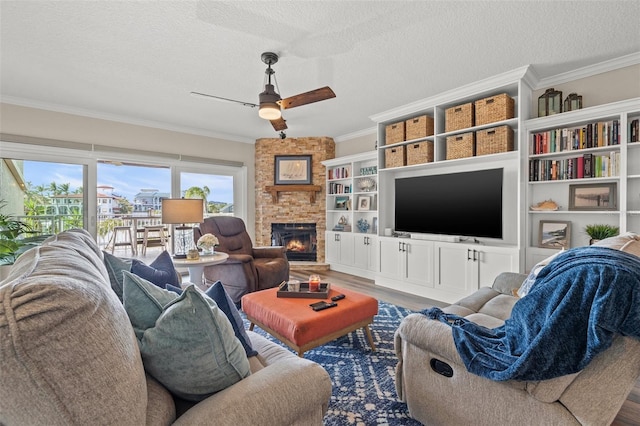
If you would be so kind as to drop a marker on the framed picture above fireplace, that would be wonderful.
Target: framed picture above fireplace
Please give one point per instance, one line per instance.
(292, 170)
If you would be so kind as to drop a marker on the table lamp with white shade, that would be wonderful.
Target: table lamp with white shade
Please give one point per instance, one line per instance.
(182, 211)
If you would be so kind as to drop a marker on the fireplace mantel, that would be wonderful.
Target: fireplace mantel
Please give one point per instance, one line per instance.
(274, 190)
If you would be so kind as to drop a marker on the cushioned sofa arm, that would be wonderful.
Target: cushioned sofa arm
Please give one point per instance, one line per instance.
(288, 392)
(270, 251)
(427, 334)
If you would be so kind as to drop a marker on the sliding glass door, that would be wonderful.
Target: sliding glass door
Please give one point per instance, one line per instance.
(58, 187)
(48, 196)
(129, 194)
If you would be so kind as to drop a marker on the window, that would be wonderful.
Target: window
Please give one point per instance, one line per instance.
(124, 184)
(216, 190)
(48, 196)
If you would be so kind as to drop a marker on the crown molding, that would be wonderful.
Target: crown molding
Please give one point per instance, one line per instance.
(590, 70)
(29, 103)
(356, 134)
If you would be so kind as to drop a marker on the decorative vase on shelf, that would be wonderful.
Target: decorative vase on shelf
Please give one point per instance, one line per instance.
(363, 225)
(366, 184)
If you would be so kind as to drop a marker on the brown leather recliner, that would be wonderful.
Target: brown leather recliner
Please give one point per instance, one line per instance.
(248, 268)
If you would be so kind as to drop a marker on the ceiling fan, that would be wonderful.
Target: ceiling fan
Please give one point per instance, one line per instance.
(270, 102)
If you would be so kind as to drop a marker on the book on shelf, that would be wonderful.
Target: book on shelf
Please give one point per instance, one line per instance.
(634, 130)
(588, 165)
(339, 173)
(338, 188)
(591, 135)
(588, 168)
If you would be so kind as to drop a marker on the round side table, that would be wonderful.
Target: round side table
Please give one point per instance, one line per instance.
(196, 266)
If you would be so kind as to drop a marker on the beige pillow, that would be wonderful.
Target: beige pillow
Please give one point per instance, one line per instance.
(628, 242)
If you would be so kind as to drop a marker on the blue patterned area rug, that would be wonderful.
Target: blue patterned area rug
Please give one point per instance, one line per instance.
(364, 392)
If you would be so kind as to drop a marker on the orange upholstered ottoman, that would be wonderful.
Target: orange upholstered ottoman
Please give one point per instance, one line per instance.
(293, 322)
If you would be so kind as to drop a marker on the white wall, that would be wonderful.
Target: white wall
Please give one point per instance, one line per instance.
(357, 145)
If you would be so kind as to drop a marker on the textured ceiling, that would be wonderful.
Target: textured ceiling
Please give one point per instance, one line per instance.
(137, 61)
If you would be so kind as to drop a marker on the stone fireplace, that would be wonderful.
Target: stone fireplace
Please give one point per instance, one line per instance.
(291, 207)
(299, 240)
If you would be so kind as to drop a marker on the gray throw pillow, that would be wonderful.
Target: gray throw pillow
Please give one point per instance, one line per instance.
(219, 295)
(187, 344)
(160, 272)
(115, 266)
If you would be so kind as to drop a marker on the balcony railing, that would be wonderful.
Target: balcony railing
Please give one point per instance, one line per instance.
(53, 224)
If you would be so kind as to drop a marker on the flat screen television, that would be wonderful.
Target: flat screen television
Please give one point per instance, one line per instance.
(461, 204)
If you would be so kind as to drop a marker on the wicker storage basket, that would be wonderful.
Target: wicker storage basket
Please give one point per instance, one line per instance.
(395, 157)
(494, 140)
(458, 117)
(495, 108)
(419, 127)
(418, 153)
(394, 133)
(461, 146)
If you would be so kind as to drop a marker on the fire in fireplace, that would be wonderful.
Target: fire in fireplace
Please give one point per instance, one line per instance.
(299, 239)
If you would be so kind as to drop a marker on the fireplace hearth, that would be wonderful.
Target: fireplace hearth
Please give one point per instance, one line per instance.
(299, 240)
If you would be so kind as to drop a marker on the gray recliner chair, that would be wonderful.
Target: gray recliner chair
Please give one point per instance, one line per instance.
(248, 268)
(434, 382)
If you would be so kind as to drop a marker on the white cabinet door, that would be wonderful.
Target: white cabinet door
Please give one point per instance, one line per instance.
(365, 251)
(407, 260)
(419, 262)
(463, 268)
(491, 261)
(346, 249)
(390, 257)
(339, 248)
(373, 253)
(332, 247)
(451, 267)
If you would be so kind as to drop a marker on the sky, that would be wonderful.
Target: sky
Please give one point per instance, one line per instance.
(126, 180)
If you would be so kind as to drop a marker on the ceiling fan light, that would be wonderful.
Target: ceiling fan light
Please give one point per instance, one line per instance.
(269, 106)
(269, 111)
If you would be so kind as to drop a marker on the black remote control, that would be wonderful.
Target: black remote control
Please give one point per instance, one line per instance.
(325, 306)
(338, 297)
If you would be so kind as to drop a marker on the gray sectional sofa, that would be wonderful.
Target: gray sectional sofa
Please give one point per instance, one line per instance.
(68, 355)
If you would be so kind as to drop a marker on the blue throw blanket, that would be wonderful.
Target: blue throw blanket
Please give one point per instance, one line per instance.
(576, 306)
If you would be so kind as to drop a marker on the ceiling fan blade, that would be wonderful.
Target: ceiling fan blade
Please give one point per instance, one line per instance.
(221, 99)
(308, 98)
(279, 124)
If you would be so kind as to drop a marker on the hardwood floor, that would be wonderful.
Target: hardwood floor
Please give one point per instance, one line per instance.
(629, 414)
(366, 286)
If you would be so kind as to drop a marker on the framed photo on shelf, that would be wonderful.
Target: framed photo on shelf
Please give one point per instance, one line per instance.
(555, 234)
(364, 202)
(342, 203)
(292, 170)
(593, 196)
